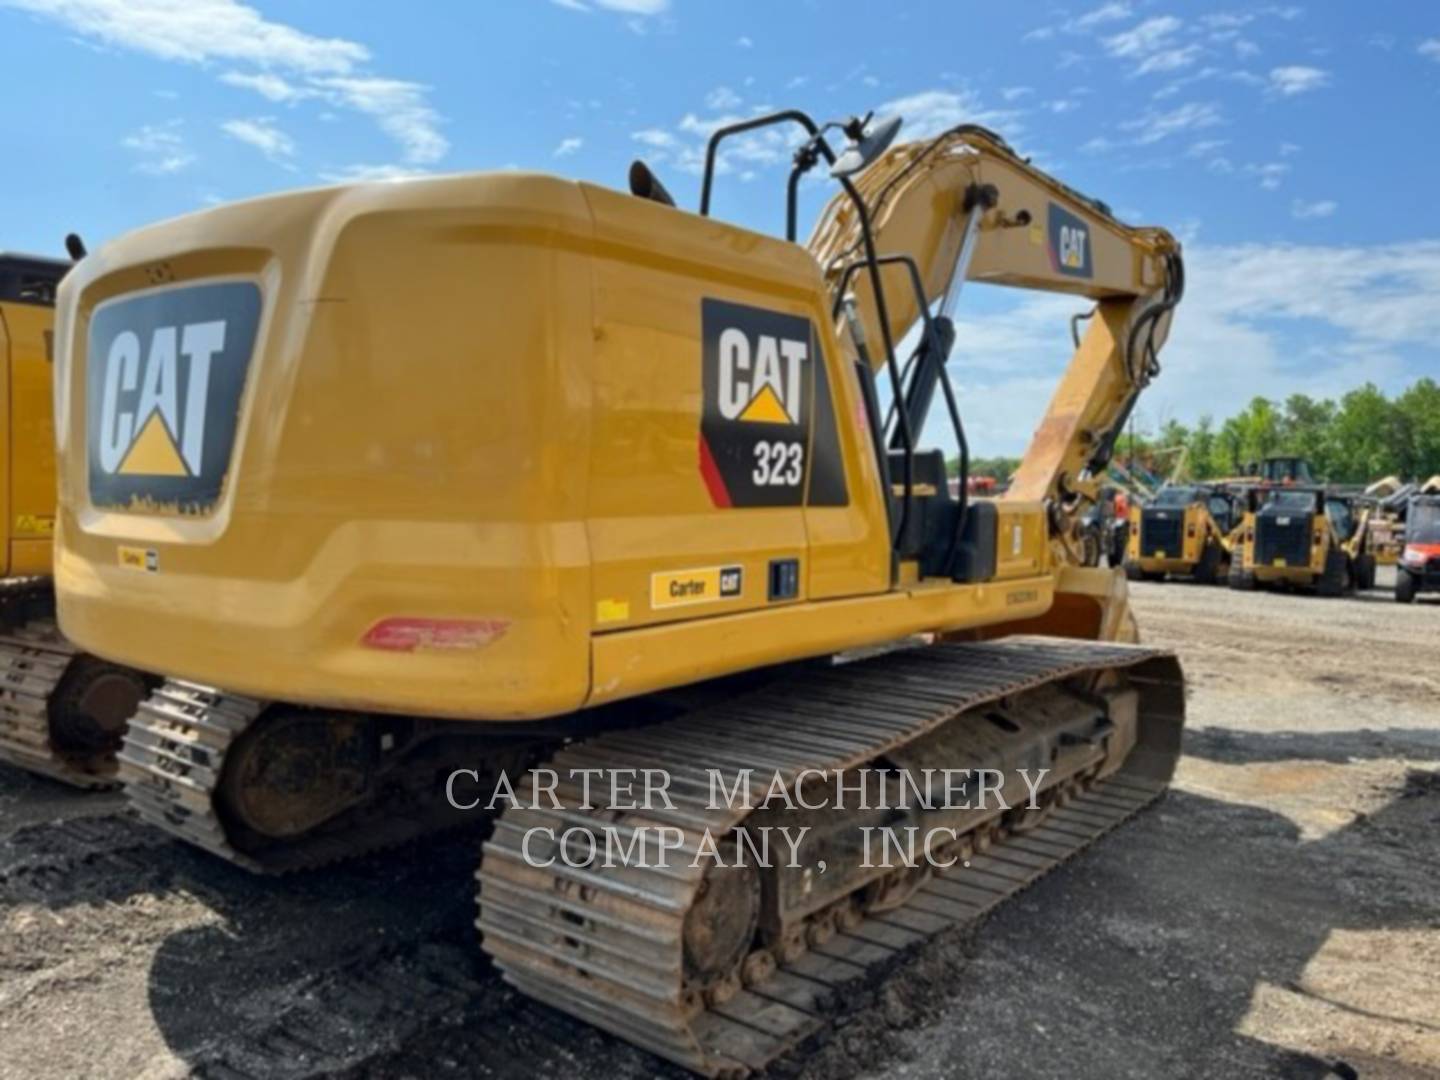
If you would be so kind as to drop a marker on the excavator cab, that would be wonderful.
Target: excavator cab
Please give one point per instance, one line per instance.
(1282, 470)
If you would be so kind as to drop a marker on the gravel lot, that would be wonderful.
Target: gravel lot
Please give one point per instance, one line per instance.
(1277, 913)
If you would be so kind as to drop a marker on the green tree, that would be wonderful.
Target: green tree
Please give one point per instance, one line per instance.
(1306, 429)
(1202, 448)
(1418, 410)
(1367, 437)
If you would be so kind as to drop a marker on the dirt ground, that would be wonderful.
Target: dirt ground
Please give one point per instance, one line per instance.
(1276, 915)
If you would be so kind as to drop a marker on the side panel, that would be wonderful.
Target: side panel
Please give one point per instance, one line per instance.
(31, 510)
(711, 415)
(6, 457)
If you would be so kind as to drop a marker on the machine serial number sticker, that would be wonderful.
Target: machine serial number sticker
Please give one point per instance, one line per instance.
(1022, 596)
(1279, 562)
(134, 558)
(676, 588)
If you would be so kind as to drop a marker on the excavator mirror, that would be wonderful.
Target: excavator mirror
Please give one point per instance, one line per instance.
(866, 148)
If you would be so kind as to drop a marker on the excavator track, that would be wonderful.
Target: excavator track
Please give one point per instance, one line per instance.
(34, 657)
(174, 751)
(609, 944)
(173, 767)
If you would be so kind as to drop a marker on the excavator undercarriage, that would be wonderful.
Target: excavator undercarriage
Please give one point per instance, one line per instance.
(708, 959)
(62, 713)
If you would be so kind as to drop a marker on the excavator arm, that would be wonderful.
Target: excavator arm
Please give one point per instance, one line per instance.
(964, 206)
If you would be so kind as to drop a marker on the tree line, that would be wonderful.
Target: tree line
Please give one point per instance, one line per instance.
(1363, 436)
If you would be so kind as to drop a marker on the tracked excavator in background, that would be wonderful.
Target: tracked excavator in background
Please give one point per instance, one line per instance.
(502, 469)
(62, 713)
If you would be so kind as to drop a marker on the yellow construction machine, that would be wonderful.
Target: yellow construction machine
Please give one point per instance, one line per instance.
(1304, 537)
(1184, 531)
(62, 713)
(396, 479)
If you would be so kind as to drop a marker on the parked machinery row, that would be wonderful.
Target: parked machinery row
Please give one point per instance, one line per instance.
(1255, 532)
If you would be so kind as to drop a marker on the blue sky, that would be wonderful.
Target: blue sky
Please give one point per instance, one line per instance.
(1292, 147)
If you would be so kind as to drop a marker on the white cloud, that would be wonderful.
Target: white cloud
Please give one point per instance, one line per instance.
(288, 64)
(1156, 125)
(161, 149)
(1323, 208)
(721, 98)
(1098, 145)
(655, 137)
(267, 85)
(1102, 14)
(1169, 60)
(1270, 174)
(1430, 47)
(1297, 79)
(1206, 148)
(1014, 93)
(625, 7)
(1082, 24)
(360, 174)
(1225, 20)
(195, 31)
(262, 134)
(569, 146)
(1244, 47)
(1143, 38)
(399, 108)
(932, 111)
(744, 42)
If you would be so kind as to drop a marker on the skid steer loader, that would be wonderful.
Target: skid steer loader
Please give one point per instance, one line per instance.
(1303, 537)
(1184, 531)
(405, 483)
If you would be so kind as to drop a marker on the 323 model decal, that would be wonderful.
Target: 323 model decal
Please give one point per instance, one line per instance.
(761, 374)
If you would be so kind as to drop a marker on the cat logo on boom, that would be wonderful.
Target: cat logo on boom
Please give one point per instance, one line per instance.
(164, 372)
(1069, 244)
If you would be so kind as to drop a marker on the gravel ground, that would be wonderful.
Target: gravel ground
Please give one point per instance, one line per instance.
(1276, 915)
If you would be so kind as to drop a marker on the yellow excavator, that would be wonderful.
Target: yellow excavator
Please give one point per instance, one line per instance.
(405, 483)
(62, 713)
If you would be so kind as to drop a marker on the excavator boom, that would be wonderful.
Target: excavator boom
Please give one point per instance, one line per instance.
(968, 208)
